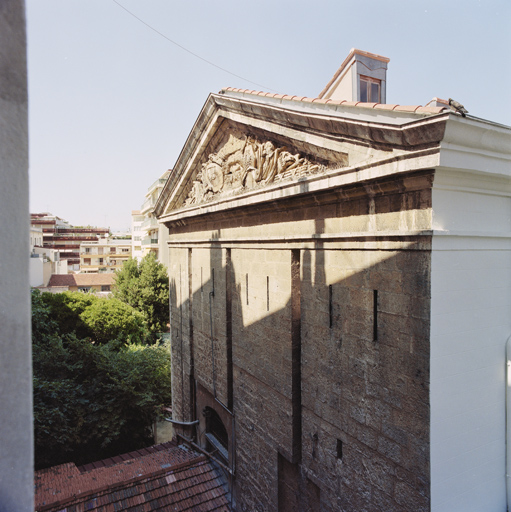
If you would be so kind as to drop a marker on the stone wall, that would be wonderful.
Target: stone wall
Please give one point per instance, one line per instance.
(320, 344)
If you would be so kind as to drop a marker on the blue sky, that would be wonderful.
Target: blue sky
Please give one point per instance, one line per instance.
(111, 102)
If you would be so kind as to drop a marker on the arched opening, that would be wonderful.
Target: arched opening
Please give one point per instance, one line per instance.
(216, 434)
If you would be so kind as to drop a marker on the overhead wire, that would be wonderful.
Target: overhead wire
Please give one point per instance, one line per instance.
(189, 51)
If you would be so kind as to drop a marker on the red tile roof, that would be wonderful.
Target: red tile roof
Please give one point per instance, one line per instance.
(81, 279)
(173, 479)
(384, 106)
(112, 461)
(62, 280)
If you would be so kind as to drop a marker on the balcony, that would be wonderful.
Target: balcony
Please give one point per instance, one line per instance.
(150, 241)
(148, 204)
(149, 223)
(158, 183)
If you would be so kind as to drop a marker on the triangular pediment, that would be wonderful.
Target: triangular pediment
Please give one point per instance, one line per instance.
(239, 148)
(235, 159)
(246, 162)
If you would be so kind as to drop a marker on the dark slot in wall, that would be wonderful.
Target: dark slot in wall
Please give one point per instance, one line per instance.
(193, 395)
(375, 315)
(296, 355)
(229, 283)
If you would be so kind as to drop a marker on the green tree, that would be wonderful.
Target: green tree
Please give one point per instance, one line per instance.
(92, 402)
(66, 309)
(145, 287)
(110, 319)
(86, 315)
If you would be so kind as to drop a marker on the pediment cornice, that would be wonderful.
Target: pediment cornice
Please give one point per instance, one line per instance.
(239, 146)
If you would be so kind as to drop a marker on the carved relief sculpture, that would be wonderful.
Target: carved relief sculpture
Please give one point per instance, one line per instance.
(245, 164)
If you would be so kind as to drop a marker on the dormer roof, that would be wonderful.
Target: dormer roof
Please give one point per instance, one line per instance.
(345, 84)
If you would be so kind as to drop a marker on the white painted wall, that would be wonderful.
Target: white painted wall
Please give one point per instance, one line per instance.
(36, 271)
(16, 440)
(343, 88)
(470, 323)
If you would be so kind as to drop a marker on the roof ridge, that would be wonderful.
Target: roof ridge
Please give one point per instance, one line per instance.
(134, 454)
(304, 99)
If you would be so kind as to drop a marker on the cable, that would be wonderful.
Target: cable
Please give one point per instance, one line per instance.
(189, 51)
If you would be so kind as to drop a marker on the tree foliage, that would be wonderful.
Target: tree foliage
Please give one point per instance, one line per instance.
(110, 319)
(93, 400)
(145, 287)
(102, 319)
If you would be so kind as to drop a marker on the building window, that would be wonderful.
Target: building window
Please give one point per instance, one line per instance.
(216, 434)
(84, 289)
(86, 261)
(112, 250)
(100, 250)
(125, 250)
(100, 261)
(87, 250)
(369, 90)
(105, 287)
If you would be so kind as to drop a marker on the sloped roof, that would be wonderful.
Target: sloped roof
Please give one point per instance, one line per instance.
(81, 279)
(62, 280)
(174, 479)
(419, 109)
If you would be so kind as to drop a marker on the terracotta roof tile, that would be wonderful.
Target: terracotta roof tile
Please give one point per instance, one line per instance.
(168, 479)
(62, 280)
(431, 110)
(406, 108)
(90, 279)
(81, 279)
(377, 106)
(366, 105)
(387, 106)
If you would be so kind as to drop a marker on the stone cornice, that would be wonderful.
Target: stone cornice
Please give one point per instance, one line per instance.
(314, 185)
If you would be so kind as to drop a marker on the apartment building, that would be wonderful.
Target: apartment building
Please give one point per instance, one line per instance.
(59, 235)
(136, 234)
(104, 254)
(148, 235)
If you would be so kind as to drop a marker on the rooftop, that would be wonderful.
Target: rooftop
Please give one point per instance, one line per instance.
(167, 478)
(418, 109)
(81, 279)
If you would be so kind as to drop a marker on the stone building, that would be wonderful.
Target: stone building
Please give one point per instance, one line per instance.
(340, 288)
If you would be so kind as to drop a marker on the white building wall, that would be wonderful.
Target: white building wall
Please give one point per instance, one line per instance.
(470, 323)
(136, 236)
(36, 271)
(16, 440)
(344, 86)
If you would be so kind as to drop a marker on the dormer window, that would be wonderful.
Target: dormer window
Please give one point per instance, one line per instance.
(369, 90)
